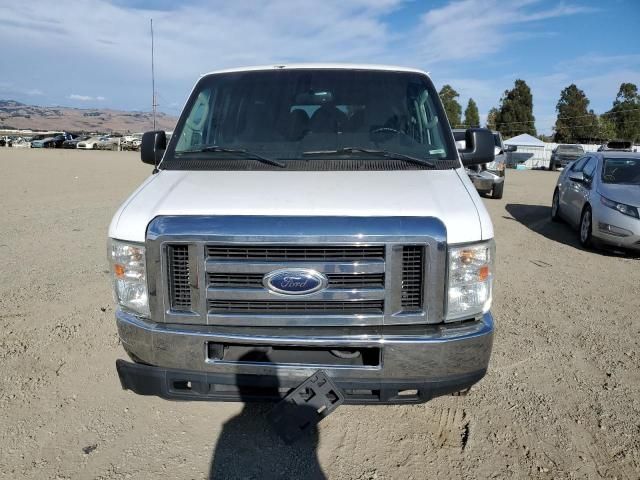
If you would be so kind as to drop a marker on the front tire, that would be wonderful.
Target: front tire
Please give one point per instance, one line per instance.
(555, 206)
(552, 166)
(497, 191)
(586, 228)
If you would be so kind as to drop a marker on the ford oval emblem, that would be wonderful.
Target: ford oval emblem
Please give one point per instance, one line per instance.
(294, 281)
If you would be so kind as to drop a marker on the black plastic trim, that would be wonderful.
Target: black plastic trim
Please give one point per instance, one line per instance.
(222, 387)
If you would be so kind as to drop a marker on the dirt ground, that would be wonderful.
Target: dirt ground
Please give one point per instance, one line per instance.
(561, 399)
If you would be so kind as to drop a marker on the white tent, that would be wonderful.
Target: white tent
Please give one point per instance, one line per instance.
(531, 151)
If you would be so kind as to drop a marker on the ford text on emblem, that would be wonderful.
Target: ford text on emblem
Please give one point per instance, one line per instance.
(294, 281)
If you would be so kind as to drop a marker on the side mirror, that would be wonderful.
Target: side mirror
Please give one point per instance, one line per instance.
(577, 177)
(479, 147)
(510, 148)
(153, 146)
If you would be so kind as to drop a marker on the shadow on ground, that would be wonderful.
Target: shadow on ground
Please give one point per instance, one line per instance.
(249, 447)
(538, 219)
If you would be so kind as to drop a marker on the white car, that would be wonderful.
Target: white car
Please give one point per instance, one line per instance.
(92, 143)
(305, 218)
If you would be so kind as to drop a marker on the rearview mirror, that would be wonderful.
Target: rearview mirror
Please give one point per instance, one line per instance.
(479, 147)
(576, 177)
(510, 148)
(153, 146)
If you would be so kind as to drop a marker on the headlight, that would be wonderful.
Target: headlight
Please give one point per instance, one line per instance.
(621, 207)
(470, 280)
(129, 276)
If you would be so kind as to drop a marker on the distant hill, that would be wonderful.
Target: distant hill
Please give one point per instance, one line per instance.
(20, 116)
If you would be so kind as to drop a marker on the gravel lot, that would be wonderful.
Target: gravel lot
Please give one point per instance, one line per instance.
(561, 399)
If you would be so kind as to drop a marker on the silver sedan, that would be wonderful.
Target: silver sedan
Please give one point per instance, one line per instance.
(599, 194)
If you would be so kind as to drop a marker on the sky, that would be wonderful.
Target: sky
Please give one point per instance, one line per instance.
(97, 53)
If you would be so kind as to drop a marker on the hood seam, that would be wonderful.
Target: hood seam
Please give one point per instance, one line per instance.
(474, 204)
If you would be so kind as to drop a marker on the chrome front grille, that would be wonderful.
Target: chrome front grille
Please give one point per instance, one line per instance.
(235, 274)
(379, 271)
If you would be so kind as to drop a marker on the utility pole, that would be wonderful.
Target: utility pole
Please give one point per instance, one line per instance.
(153, 81)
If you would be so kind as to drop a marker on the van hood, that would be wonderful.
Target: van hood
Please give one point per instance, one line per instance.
(444, 194)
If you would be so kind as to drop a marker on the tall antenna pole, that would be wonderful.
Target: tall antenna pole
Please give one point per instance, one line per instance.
(153, 81)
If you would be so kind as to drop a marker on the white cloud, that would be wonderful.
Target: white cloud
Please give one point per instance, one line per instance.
(82, 98)
(11, 89)
(85, 98)
(193, 39)
(472, 29)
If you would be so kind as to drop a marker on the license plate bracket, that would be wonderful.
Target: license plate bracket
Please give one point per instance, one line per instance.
(305, 406)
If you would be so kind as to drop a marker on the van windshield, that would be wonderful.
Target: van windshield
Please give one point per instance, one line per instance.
(312, 116)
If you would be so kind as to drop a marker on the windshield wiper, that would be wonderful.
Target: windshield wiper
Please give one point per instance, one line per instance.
(246, 153)
(382, 153)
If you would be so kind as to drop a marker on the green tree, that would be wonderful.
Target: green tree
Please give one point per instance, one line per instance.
(575, 123)
(606, 128)
(515, 115)
(471, 114)
(625, 113)
(448, 97)
(491, 119)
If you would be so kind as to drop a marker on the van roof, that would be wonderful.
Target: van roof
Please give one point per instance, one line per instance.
(319, 66)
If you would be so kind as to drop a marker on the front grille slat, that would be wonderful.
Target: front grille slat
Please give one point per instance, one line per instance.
(179, 287)
(285, 307)
(348, 281)
(295, 252)
(412, 277)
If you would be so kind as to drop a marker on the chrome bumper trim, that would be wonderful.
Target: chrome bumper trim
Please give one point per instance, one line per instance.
(443, 350)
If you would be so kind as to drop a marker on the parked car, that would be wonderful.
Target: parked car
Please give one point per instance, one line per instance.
(37, 141)
(131, 142)
(54, 141)
(297, 221)
(91, 143)
(599, 194)
(109, 142)
(73, 142)
(20, 142)
(488, 178)
(618, 145)
(564, 154)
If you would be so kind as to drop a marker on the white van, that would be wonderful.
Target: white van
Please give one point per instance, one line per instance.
(306, 218)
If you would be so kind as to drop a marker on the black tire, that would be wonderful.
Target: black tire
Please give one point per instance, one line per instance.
(498, 190)
(552, 166)
(555, 206)
(586, 228)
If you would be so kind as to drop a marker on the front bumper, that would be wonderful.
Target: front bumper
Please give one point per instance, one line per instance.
(614, 228)
(413, 368)
(484, 181)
